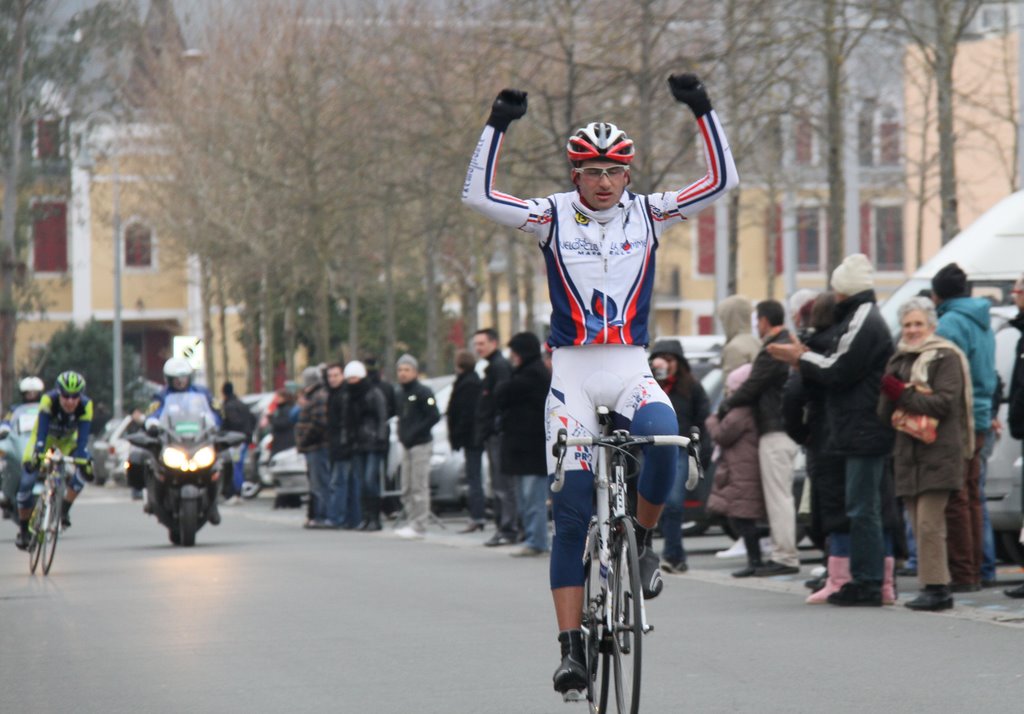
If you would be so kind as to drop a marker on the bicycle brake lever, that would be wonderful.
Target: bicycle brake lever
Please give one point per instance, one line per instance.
(697, 474)
(558, 451)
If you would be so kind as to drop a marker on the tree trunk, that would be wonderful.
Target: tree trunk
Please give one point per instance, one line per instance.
(834, 141)
(530, 297)
(944, 55)
(206, 297)
(290, 339)
(8, 251)
(734, 241)
(390, 330)
(222, 317)
(433, 306)
(265, 336)
(353, 318)
(515, 323)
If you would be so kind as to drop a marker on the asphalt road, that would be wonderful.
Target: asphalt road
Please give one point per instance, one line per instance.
(262, 616)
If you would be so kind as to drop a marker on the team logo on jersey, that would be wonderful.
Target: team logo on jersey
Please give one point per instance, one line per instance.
(582, 219)
(657, 214)
(544, 218)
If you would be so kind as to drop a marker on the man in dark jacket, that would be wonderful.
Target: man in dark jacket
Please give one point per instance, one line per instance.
(852, 376)
(498, 371)
(1015, 418)
(462, 434)
(775, 450)
(417, 414)
(965, 321)
(520, 402)
(311, 441)
(368, 419)
(235, 416)
(340, 445)
(692, 408)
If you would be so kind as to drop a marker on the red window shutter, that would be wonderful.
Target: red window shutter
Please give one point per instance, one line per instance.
(50, 238)
(138, 246)
(48, 138)
(706, 243)
(705, 325)
(865, 230)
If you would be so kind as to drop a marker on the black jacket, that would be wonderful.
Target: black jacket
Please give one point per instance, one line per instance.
(520, 402)
(417, 413)
(462, 406)
(340, 424)
(803, 403)
(1016, 396)
(237, 417)
(282, 428)
(852, 378)
(498, 372)
(763, 389)
(370, 416)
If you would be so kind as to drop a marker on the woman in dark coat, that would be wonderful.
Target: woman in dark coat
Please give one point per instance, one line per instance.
(737, 491)
(463, 434)
(520, 402)
(929, 375)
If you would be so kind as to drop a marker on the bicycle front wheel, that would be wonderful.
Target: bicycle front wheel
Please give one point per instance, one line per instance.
(627, 619)
(36, 532)
(52, 528)
(596, 637)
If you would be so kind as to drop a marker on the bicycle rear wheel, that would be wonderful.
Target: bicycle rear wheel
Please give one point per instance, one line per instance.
(627, 619)
(595, 635)
(52, 527)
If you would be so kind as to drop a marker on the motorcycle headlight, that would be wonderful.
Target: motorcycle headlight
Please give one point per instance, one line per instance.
(204, 458)
(175, 458)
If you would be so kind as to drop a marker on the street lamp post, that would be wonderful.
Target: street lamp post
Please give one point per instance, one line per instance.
(118, 369)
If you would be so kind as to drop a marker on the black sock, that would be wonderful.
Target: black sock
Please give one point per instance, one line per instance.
(642, 537)
(23, 526)
(65, 507)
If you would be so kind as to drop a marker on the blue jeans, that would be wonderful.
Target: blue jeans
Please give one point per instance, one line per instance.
(239, 469)
(533, 496)
(864, 507)
(988, 543)
(318, 469)
(475, 481)
(345, 482)
(911, 542)
(671, 523)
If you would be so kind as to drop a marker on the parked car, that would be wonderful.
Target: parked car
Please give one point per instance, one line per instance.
(110, 451)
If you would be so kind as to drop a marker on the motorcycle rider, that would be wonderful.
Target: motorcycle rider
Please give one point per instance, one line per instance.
(178, 373)
(31, 389)
(64, 422)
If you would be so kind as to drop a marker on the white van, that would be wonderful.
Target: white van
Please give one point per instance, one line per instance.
(991, 252)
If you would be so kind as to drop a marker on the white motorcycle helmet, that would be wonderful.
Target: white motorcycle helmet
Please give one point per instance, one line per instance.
(31, 384)
(178, 368)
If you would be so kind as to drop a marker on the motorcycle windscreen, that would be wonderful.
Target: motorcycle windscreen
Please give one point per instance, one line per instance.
(188, 415)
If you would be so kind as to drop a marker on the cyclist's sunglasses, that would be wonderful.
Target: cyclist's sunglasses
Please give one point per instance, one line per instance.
(69, 395)
(595, 172)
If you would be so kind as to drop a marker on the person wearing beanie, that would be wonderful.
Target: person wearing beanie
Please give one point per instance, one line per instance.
(417, 414)
(235, 416)
(311, 442)
(692, 407)
(503, 489)
(851, 376)
(367, 419)
(520, 403)
(462, 434)
(965, 321)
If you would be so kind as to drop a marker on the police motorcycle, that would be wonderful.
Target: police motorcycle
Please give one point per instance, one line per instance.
(182, 468)
(15, 436)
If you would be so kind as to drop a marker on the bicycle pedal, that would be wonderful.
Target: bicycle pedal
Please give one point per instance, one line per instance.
(574, 695)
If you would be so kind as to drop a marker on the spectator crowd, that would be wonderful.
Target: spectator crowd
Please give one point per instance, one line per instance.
(894, 430)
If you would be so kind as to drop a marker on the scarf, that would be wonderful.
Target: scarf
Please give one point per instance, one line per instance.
(927, 350)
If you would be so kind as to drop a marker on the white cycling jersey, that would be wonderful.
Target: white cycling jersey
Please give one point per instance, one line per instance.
(600, 264)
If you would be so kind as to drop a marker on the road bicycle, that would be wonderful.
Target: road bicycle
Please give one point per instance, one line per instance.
(44, 524)
(614, 619)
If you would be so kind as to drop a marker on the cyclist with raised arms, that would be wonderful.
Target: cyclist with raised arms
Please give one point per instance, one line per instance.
(64, 422)
(599, 244)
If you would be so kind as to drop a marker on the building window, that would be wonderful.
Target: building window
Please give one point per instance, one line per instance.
(889, 141)
(808, 239)
(803, 142)
(50, 238)
(706, 243)
(47, 145)
(138, 246)
(889, 237)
